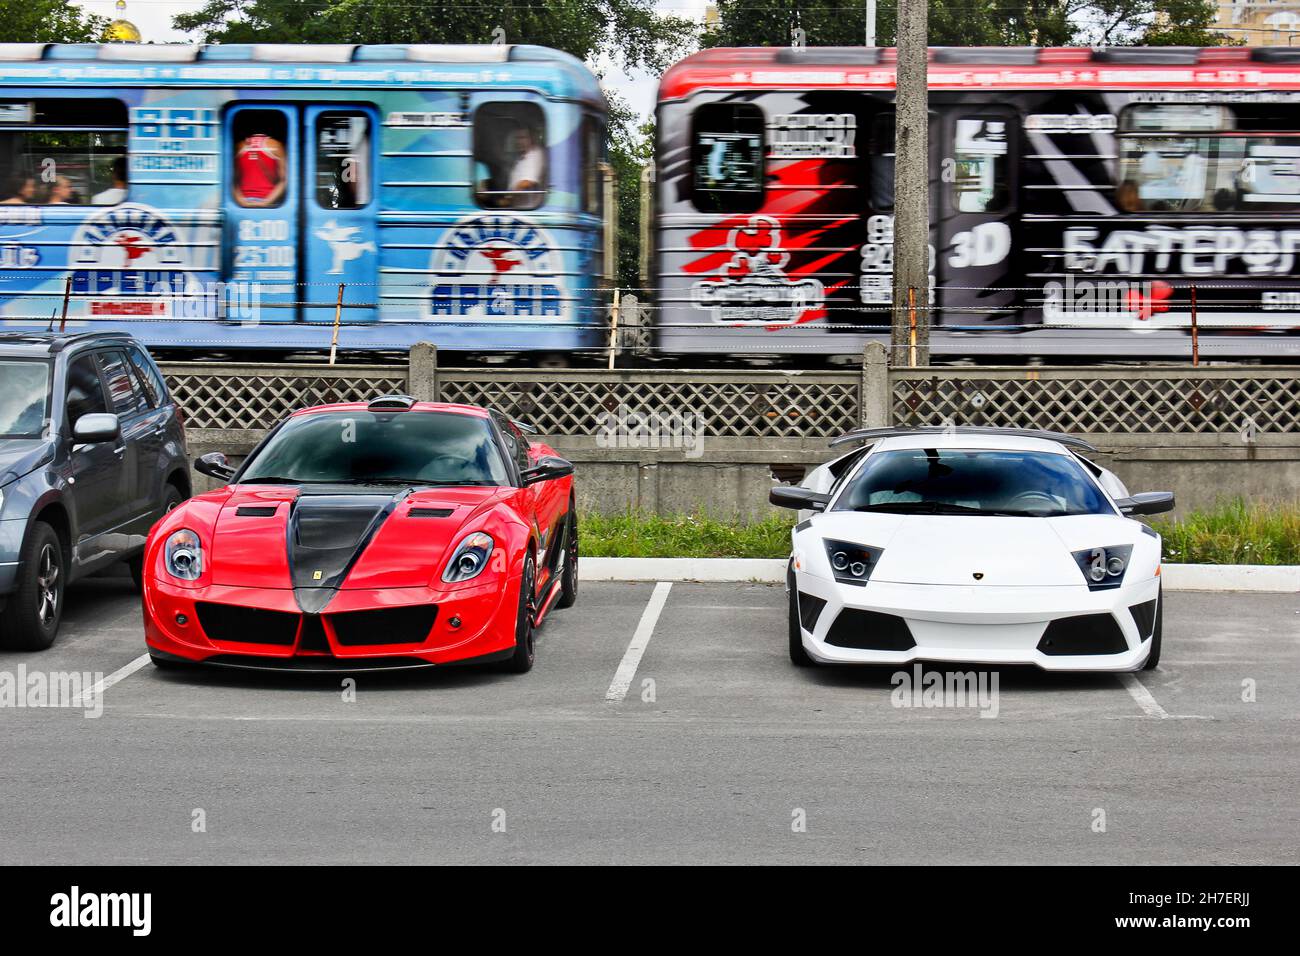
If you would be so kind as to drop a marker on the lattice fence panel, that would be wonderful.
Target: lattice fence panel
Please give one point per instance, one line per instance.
(240, 399)
(754, 409)
(1180, 404)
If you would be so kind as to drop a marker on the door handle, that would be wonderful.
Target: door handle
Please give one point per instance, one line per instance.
(119, 451)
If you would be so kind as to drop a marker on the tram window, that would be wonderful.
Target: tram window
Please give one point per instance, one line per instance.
(1196, 158)
(63, 152)
(342, 160)
(260, 161)
(880, 163)
(509, 155)
(980, 157)
(593, 154)
(727, 157)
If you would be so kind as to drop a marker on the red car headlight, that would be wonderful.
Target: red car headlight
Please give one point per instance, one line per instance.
(470, 558)
(183, 555)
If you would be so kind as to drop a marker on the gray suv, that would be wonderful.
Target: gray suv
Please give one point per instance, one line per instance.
(92, 453)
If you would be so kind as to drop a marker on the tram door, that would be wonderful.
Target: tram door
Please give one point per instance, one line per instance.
(299, 194)
(976, 216)
(262, 154)
(339, 236)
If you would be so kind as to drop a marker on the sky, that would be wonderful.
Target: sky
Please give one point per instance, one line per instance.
(154, 18)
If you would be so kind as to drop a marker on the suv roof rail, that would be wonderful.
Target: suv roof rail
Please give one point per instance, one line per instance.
(892, 431)
(66, 339)
(58, 341)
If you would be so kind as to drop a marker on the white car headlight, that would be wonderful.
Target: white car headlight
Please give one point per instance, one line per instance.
(183, 555)
(851, 563)
(1104, 567)
(470, 558)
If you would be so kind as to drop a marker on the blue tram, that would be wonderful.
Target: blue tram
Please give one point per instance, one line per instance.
(244, 196)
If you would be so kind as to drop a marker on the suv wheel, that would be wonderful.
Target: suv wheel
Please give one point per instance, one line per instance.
(30, 620)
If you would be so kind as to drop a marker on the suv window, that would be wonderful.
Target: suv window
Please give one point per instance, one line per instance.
(85, 392)
(127, 397)
(24, 397)
(150, 380)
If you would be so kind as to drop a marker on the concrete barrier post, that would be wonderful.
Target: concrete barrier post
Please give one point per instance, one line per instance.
(874, 397)
(422, 372)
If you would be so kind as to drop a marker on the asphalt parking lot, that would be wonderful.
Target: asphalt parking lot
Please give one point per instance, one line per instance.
(720, 759)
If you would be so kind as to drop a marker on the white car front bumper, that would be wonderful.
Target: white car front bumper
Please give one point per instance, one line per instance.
(1066, 628)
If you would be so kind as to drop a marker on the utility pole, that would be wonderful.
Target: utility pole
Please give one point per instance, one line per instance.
(910, 336)
(871, 22)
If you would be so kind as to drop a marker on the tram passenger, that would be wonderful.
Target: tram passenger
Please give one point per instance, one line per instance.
(529, 164)
(19, 189)
(61, 192)
(117, 192)
(259, 170)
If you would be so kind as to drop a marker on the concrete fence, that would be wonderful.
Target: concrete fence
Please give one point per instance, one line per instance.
(674, 441)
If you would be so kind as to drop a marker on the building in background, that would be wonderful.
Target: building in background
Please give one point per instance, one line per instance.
(1260, 22)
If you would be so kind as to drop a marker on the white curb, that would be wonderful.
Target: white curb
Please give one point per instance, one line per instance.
(1231, 577)
(1178, 577)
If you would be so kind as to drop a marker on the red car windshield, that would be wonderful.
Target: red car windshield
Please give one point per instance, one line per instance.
(407, 447)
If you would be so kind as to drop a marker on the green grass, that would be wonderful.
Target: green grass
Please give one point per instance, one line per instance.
(684, 536)
(1233, 532)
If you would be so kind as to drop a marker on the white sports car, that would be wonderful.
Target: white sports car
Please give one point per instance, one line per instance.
(999, 546)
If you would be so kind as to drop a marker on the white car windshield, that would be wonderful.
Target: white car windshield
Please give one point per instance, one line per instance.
(973, 481)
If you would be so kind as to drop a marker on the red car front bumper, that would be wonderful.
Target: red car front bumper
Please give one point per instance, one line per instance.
(358, 630)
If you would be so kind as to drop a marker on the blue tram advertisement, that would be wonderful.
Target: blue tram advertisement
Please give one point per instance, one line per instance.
(246, 196)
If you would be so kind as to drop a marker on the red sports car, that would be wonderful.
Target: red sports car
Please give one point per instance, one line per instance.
(366, 536)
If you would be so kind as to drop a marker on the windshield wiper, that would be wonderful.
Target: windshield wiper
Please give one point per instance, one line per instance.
(918, 508)
(936, 508)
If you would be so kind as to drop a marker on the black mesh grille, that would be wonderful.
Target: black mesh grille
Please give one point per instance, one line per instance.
(810, 608)
(255, 511)
(429, 513)
(389, 625)
(247, 625)
(1083, 634)
(870, 631)
(1144, 616)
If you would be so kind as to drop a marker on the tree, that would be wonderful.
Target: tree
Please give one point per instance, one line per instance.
(631, 148)
(48, 21)
(837, 23)
(629, 32)
(1184, 23)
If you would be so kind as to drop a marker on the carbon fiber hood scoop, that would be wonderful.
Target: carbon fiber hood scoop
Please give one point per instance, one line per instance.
(326, 534)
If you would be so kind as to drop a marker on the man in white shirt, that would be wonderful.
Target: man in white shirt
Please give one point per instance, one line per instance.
(529, 169)
(117, 193)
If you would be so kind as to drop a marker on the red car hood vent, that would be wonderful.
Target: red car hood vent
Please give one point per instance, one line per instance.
(326, 535)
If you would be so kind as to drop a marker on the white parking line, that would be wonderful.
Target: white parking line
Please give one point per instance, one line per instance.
(627, 667)
(122, 673)
(1137, 690)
